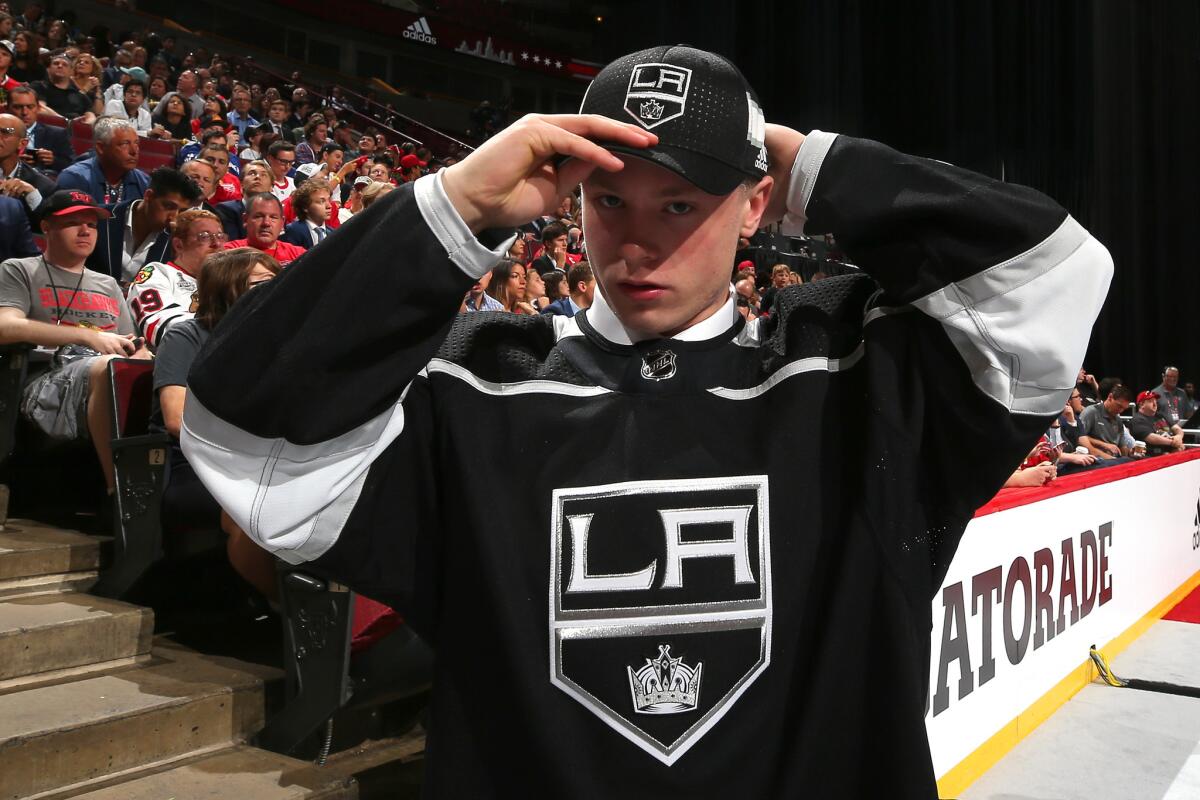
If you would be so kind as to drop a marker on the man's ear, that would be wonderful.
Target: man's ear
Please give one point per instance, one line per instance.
(759, 196)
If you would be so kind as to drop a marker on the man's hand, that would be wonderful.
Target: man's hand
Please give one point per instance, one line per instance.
(1038, 475)
(43, 156)
(15, 187)
(1085, 460)
(1068, 412)
(783, 144)
(513, 178)
(110, 344)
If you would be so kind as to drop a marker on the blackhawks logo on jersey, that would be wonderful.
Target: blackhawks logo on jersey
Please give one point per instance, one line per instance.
(143, 274)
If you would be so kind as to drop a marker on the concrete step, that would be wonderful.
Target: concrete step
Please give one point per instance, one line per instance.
(54, 583)
(50, 632)
(62, 735)
(237, 772)
(29, 549)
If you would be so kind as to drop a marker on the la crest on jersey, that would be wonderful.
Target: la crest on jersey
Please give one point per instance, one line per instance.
(660, 603)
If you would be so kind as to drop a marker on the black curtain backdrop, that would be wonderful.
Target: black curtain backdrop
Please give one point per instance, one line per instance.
(1094, 102)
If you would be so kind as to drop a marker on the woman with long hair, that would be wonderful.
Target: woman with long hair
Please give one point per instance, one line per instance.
(25, 66)
(556, 285)
(187, 505)
(58, 35)
(158, 88)
(508, 287)
(85, 74)
(172, 116)
(316, 133)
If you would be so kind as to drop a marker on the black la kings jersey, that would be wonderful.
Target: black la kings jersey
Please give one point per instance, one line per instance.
(699, 566)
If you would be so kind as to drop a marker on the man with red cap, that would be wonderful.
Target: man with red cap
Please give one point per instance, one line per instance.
(1150, 426)
(55, 302)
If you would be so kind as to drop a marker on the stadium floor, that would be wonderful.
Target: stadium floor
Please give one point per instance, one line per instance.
(1117, 743)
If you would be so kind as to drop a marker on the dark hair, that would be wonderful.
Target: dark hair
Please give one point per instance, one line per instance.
(554, 281)
(332, 146)
(166, 180)
(385, 159)
(1106, 387)
(498, 287)
(553, 231)
(280, 147)
(211, 134)
(311, 125)
(24, 88)
(224, 278)
(249, 202)
(580, 272)
(1121, 392)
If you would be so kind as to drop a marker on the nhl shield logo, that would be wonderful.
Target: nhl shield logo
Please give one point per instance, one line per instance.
(660, 603)
(658, 365)
(657, 93)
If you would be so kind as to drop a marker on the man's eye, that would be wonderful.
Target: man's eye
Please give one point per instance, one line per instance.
(678, 207)
(609, 201)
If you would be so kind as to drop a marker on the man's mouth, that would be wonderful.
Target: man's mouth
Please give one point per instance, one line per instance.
(641, 291)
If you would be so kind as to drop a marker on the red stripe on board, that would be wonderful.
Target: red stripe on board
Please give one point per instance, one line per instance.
(1188, 609)
(1011, 498)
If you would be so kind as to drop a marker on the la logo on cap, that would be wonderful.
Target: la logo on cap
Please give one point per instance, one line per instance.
(657, 93)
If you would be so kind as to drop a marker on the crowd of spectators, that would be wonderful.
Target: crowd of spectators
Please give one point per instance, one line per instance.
(100, 259)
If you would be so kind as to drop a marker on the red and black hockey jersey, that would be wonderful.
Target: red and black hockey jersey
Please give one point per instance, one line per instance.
(698, 566)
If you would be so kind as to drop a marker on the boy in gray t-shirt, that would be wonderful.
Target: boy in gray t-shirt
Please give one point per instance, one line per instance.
(55, 303)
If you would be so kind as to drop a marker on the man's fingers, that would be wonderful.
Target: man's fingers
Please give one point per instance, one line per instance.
(572, 173)
(574, 146)
(598, 128)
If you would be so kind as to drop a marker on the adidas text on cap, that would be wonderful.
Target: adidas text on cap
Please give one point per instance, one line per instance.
(710, 128)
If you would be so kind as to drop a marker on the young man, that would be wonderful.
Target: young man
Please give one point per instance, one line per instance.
(1150, 426)
(554, 250)
(110, 176)
(54, 300)
(139, 231)
(161, 293)
(264, 223)
(48, 150)
(654, 608)
(582, 288)
(1100, 426)
(228, 186)
(59, 94)
(312, 206)
(282, 158)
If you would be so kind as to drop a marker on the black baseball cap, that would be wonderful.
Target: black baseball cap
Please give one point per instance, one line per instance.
(710, 128)
(68, 201)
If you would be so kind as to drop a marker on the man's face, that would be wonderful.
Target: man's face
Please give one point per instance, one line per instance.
(1114, 406)
(780, 278)
(1170, 379)
(203, 174)
(134, 95)
(557, 245)
(59, 68)
(277, 113)
(71, 236)
(318, 207)
(1149, 407)
(255, 179)
(163, 208)
(187, 83)
(121, 152)
(264, 223)
(335, 159)
(12, 134)
(1190, 389)
(481, 285)
(204, 238)
(366, 144)
(241, 102)
(661, 247)
(1076, 401)
(320, 132)
(281, 163)
(219, 158)
(378, 172)
(24, 108)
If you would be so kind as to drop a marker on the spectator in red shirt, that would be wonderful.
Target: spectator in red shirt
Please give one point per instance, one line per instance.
(228, 185)
(264, 224)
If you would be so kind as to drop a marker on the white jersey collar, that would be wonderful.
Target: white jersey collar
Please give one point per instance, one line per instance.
(605, 322)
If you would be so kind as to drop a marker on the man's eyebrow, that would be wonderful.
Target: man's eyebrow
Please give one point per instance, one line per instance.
(678, 190)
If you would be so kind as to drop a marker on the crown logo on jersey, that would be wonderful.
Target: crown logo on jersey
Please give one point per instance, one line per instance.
(665, 685)
(652, 109)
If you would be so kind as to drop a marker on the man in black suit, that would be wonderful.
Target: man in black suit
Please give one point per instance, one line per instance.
(279, 121)
(49, 148)
(16, 237)
(139, 231)
(18, 179)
